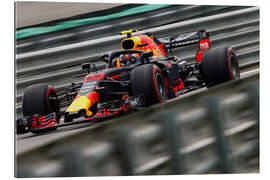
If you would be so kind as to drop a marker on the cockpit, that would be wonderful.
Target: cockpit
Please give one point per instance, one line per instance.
(125, 60)
(116, 59)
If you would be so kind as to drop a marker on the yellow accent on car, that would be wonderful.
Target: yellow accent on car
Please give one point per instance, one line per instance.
(129, 31)
(82, 102)
(118, 63)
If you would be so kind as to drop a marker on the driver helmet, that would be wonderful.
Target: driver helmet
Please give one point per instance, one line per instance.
(125, 59)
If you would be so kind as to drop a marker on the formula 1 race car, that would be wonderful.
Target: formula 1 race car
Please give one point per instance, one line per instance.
(140, 75)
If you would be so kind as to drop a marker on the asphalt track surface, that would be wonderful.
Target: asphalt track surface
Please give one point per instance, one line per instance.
(49, 11)
(26, 142)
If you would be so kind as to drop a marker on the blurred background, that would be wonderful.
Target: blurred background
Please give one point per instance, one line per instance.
(33, 13)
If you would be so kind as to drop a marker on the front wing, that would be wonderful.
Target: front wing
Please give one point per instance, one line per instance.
(40, 124)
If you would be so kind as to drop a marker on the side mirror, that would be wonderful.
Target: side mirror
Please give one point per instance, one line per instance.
(86, 66)
(145, 56)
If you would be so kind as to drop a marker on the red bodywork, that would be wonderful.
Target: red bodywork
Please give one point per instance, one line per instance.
(157, 49)
(92, 77)
(39, 122)
(204, 45)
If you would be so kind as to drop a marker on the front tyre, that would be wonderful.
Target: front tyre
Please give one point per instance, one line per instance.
(40, 99)
(220, 65)
(149, 81)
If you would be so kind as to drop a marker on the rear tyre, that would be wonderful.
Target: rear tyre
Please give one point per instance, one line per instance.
(40, 99)
(220, 65)
(149, 81)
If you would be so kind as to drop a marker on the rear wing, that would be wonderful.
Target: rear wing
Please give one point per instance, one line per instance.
(200, 37)
(186, 39)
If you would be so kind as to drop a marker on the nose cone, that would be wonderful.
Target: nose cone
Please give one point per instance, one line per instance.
(84, 102)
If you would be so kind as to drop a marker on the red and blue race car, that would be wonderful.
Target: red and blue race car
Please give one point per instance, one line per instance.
(139, 75)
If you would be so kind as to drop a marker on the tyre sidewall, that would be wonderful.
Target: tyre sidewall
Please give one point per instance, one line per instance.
(144, 81)
(216, 66)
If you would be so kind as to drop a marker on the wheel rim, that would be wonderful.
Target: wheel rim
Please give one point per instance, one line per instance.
(160, 87)
(234, 67)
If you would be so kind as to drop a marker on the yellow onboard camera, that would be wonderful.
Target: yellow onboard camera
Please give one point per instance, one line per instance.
(128, 32)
